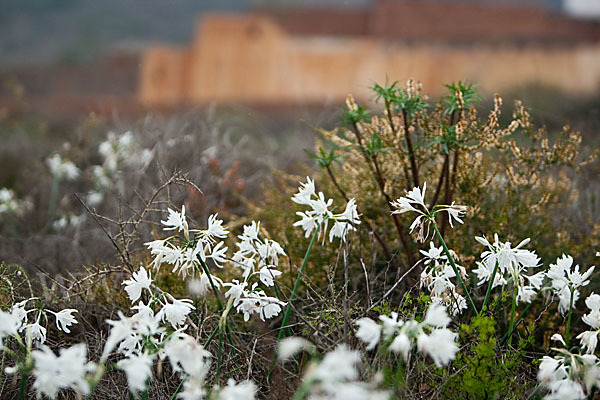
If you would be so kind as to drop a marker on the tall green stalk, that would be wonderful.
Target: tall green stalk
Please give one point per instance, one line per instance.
(286, 315)
(453, 265)
(568, 332)
(23, 385)
(512, 310)
(489, 289)
(212, 283)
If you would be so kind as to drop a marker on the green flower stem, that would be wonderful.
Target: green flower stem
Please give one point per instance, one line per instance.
(212, 283)
(512, 310)
(568, 332)
(286, 315)
(523, 313)
(225, 312)
(23, 385)
(456, 271)
(489, 289)
(532, 394)
(219, 354)
(174, 397)
(302, 392)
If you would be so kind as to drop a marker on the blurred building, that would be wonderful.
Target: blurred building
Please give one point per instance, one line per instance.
(307, 55)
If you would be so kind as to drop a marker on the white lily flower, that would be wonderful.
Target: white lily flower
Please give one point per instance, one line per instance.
(439, 345)
(65, 318)
(139, 280)
(567, 281)
(138, 369)
(67, 371)
(245, 390)
(401, 345)
(176, 312)
(35, 333)
(176, 221)
(289, 347)
(369, 332)
(436, 316)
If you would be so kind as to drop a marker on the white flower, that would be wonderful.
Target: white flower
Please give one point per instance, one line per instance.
(566, 282)
(320, 213)
(455, 212)
(236, 290)
(250, 231)
(436, 316)
(305, 193)
(176, 312)
(512, 265)
(340, 229)
(67, 371)
(60, 168)
(176, 221)
(201, 286)
(138, 369)
(320, 207)
(566, 389)
(288, 347)
(186, 355)
(439, 345)
(244, 390)
(258, 303)
(218, 254)
(351, 214)
(508, 258)
(65, 318)
(402, 205)
(390, 324)
(569, 375)
(589, 339)
(338, 365)
(35, 332)
(267, 275)
(369, 332)
(308, 223)
(416, 196)
(121, 329)
(9, 324)
(139, 280)
(401, 345)
(551, 370)
(215, 227)
(433, 254)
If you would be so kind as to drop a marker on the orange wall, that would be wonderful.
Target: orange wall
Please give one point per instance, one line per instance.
(250, 59)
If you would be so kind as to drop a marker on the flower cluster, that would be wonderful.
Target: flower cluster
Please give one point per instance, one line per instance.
(415, 201)
(17, 320)
(60, 168)
(320, 214)
(139, 341)
(436, 276)
(184, 254)
(118, 151)
(509, 264)
(9, 203)
(257, 258)
(569, 376)
(432, 336)
(589, 339)
(567, 281)
(335, 376)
